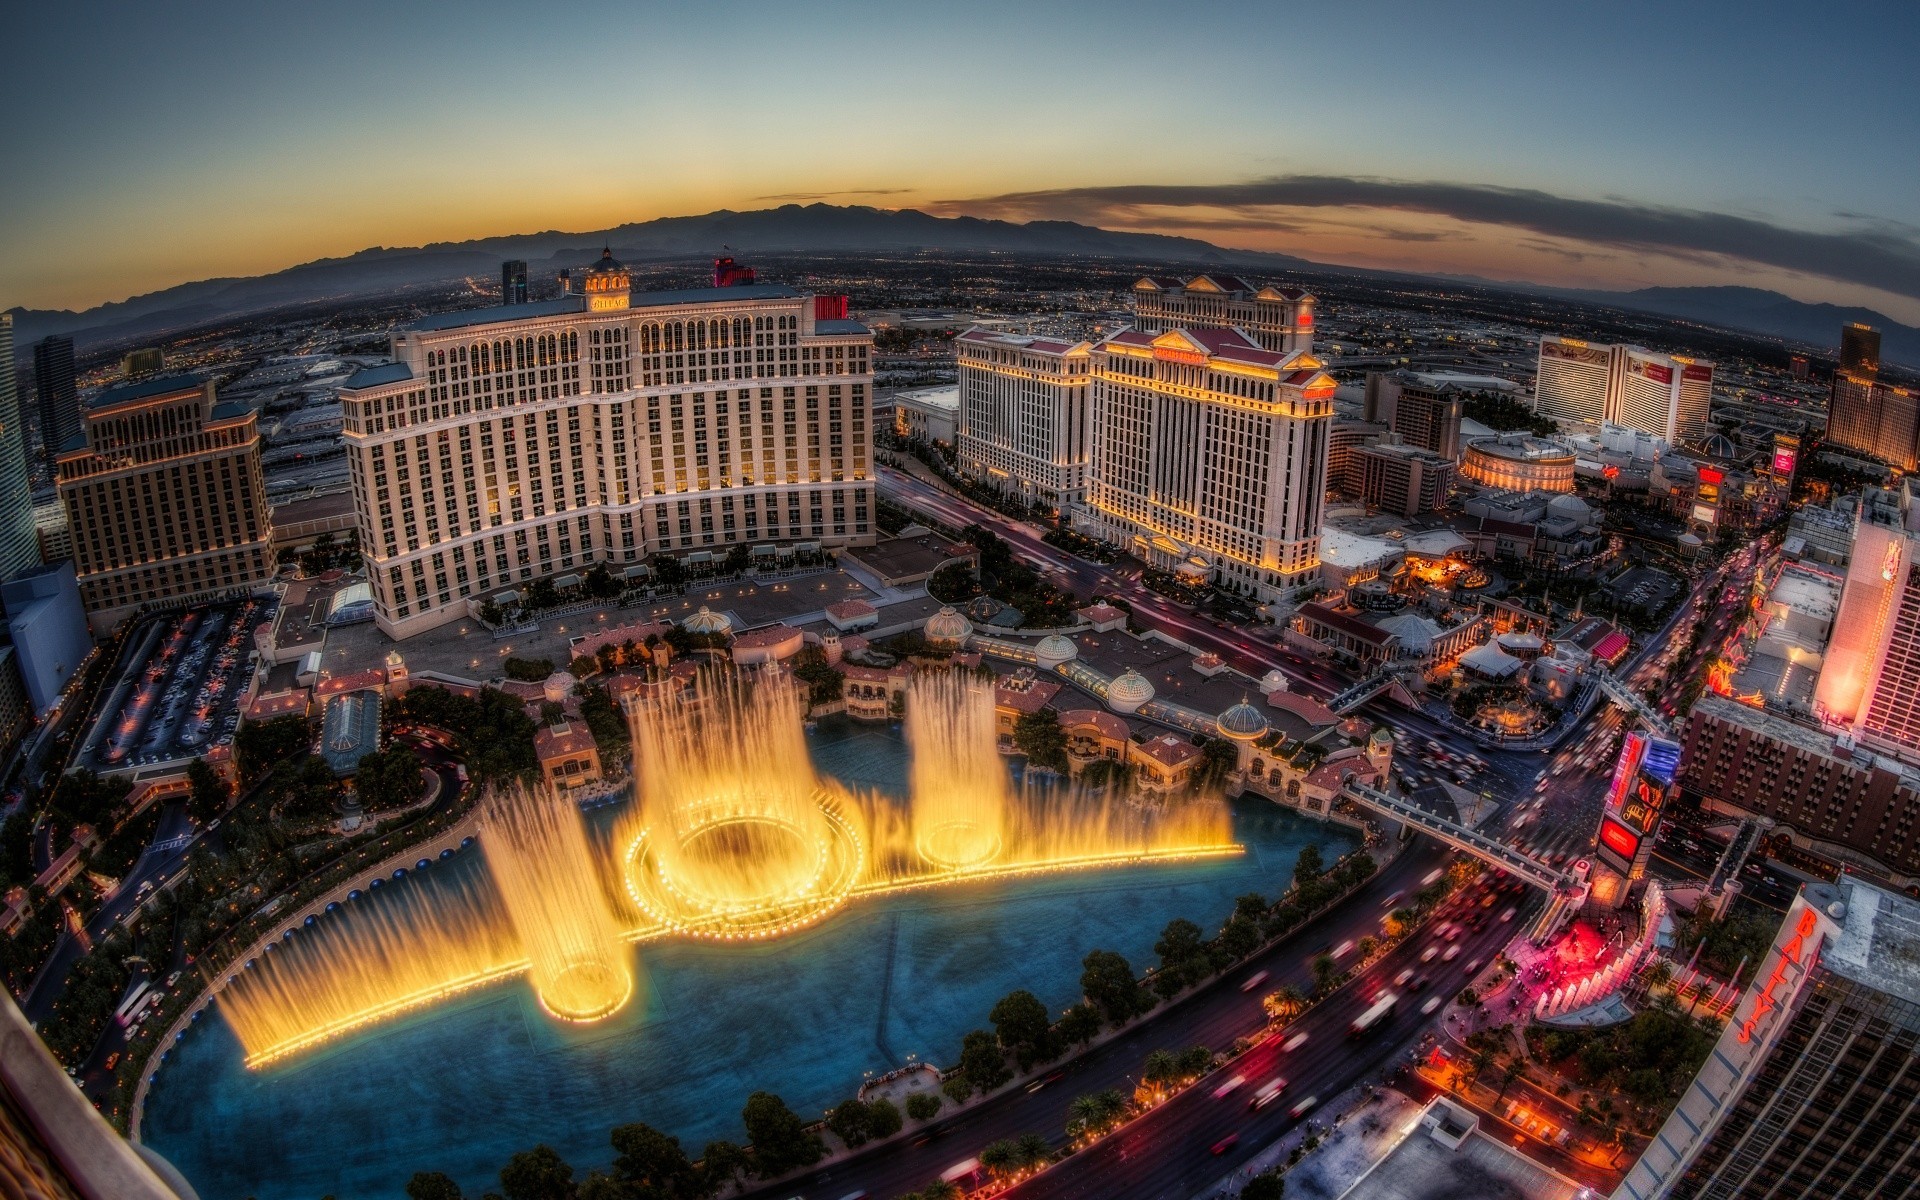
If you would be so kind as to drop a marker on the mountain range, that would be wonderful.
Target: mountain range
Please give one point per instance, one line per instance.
(826, 228)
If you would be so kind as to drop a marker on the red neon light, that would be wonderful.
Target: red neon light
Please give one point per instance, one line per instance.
(1305, 320)
(1789, 953)
(1619, 839)
(1709, 475)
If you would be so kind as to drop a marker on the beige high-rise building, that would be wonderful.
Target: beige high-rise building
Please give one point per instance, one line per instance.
(1666, 395)
(533, 441)
(166, 501)
(1025, 417)
(1210, 457)
(1276, 318)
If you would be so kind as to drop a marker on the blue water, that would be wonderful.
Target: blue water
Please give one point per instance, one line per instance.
(463, 1086)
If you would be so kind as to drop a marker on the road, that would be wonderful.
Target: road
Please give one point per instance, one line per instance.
(1214, 1016)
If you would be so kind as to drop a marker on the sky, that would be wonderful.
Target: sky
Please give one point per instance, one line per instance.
(1611, 146)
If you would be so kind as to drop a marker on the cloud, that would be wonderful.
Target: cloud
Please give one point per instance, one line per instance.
(795, 197)
(1872, 253)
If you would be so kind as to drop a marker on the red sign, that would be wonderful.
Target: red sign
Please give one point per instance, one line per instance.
(1696, 373)
(1304, 320)
(1619, 839)
(1791, 952)
(1709, 475)
(1783, 462)
(1656, 372)
(1192, 358)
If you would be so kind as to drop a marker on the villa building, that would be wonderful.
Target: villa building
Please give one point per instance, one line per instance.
(510, 444)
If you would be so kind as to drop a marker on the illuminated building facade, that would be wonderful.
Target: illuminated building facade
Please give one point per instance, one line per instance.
(1665, 395)
(1210, 456)
(165, 499)
(53, 385)
(1643, 780)
(1869, 684)
(1875, 418)
(1813, 1088)
(1514, 462)
(1277, 319)
(513, 282)
(532, 440)
(1859, 349)
(1403, 479)
(19, 543)
(1025, 416)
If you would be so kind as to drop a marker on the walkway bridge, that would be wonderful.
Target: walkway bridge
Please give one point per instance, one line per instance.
(1478, 844)
(1627, 698)
(1383, 680)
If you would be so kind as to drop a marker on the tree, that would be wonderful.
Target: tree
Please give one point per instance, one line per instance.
(1219, 759)
(1284, 1002)
(883, 1118)
(957, 1089)
(432, 1185)
(1366, 946)
(1195, 1061)
(1032, 1149)
(721, 1163)
(1399, 921)
(1161, 1066)
(780, 1139)
(537, 1174)
(1268, 1185)
(982, 1063)
(16, 850)
(1079, 1024)
(825, 684)
(1000, 1157)
(206, 794)
(940, 1189)
(850, 1122)
(1326, 972)
(389, 779)
(922, 1105)
(653, 1163)
(1307, 866)
(84, 798)
(1109, 984)
(1021, 1022)
(259, 745)
(1038, 735)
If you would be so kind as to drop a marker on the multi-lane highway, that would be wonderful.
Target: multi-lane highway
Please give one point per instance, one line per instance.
(1170, 1152)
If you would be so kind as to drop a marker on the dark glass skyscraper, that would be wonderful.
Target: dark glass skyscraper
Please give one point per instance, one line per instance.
(1859, 350)
(59, 399)
(19, 547)
(513, 282)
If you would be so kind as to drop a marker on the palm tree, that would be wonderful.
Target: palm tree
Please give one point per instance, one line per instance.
(1285, 1002)
(940, 1189)
(1086, 1113)
(1000, 1157)
(1325, 971)
(1113, 1104)
(1033, 1149)
(1160, 1067)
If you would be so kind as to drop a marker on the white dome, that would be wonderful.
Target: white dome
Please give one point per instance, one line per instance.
(1273, 681)
(948, 627)
(707, 621)
(1127, 693)
(1572, 507)
(1054, 649)
(558, 686)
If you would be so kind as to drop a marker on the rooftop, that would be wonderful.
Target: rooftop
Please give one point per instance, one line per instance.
(145, 389)
(393, 372)
(832, 326)
(1423, 1168)
(1879, 942)
(492, 316)
(1521, 449)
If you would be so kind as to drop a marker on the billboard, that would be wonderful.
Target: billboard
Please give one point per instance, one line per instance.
(1783, 461)
(1578, 352)
(1659, 373)
(1643, 779)
(1697, 374)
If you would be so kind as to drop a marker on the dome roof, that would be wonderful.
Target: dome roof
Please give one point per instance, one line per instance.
(1243, 722)
(1274, 681)
(607, 262)
(1719, 445)
(557, 687)
(707, 621)
(1570, 506)
(1129, 691)
(948, 625)
(1055, 649)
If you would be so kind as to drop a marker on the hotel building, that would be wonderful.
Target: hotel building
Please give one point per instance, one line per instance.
(1277, 319)
(1025, 415)
(165, 499)
(1869, 684)
(1813, 1088)
(1403, 479)
(1868, 415)
(19, 544)
(1209, 456)
(1424, 411)
(530, 440)
(1665, 395)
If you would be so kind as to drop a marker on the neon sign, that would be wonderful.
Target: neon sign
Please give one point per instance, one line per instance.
(1790, 952)
(1619, 839)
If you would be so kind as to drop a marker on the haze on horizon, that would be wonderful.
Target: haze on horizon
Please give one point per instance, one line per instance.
(1758, 144)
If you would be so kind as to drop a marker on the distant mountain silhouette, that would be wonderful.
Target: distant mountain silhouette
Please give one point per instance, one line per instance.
(825, 229)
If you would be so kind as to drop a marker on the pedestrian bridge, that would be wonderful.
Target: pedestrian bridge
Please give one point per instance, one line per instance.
(1482, 847)
(1627, 698)
(1359, 693)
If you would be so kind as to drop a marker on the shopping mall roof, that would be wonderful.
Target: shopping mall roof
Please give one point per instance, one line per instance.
(393, 372)
(145, 389)
(496, 315)
(1879, 941)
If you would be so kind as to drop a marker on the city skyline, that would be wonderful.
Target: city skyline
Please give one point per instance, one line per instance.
(1632, 154)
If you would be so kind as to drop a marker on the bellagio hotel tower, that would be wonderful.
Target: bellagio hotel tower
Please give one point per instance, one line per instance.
(528, 441)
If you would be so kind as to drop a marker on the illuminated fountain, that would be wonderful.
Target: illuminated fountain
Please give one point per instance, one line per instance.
(550, 886)
(960, 792)
(738, 837)
(733, 835)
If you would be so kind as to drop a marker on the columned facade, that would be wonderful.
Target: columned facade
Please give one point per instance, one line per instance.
(1025, 415)
(512, 444)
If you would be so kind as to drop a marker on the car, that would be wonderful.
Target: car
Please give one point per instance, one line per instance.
(1473, 964)
(859, 1195)
(1253, 981)
(1452, 953)
(1420, 983)
(1431, 1006)
(1303, 1108)
(1226, 1143)
(1392, 900)
(1343, 949)
(1487, 901)
(1427, 955)
(1268, 1093)
(1507, 915)
(1230, 1086)
(1401, 979)
(1295, 1042)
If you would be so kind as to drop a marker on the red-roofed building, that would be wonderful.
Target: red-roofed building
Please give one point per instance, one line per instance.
(1094, 734)
(568, 757)
(590, 644)
(1164, 762)
(1328, 630)
(871, 693)
(770, 643)
(848, 615)
(293, 701)
(1103, 618)
(372, 679)
(1021, 694)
